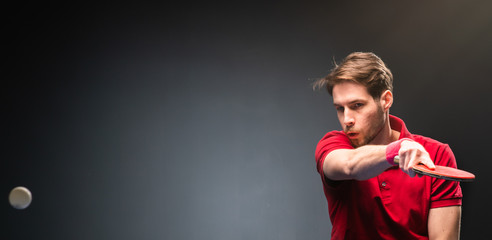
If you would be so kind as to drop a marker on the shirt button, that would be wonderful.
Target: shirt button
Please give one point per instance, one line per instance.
(383, 184)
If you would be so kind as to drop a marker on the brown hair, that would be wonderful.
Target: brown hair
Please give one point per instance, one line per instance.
(361, 67)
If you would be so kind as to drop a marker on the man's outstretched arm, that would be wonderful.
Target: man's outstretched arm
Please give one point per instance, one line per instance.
(370, 160)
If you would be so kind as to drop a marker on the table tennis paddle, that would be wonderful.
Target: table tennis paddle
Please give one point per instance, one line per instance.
(443, 172)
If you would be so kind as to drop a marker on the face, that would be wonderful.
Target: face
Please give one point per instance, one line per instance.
(361, 116)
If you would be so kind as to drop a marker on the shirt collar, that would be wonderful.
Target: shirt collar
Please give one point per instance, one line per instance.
(398, 125)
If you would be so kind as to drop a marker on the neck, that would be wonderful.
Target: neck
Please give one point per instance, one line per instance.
(386, 135)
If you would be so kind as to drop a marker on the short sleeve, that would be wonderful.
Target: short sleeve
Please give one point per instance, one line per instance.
(445, 193)
(331, 141)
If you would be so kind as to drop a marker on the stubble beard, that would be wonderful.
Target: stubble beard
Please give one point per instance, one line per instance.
(374, 130)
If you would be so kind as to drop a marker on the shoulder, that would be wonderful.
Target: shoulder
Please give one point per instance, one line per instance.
(427, 141)
(334, 139)
(331, 141)
(440, 152)
(335, 135)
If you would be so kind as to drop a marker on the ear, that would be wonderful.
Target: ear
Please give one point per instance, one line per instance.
(386, 100)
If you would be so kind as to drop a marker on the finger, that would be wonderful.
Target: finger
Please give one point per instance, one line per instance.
(411, 161)
(405, 165)
(428, 162)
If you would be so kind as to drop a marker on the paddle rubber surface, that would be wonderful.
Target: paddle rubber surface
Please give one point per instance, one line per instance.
(447, 173)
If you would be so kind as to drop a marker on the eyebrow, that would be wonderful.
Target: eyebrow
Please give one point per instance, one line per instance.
(351, 102)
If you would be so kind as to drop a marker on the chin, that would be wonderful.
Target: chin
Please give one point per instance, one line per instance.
(359, 142)
(356, 143)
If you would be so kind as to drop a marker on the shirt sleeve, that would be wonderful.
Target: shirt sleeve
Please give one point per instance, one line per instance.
(331, 141)
(445, 193)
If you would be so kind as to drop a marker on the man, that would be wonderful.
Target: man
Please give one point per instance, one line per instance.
(369, 196)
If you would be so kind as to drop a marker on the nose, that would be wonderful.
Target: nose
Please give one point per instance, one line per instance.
(348, 118)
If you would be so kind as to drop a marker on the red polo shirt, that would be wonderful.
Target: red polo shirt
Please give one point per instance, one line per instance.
(391, 205)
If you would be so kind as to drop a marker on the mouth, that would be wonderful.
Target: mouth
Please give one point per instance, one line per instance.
(352, 135)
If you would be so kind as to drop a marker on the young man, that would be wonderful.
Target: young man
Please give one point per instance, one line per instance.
(369, 196)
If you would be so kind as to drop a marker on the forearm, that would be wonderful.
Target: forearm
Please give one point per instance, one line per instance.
(371, 160)
(361, 163)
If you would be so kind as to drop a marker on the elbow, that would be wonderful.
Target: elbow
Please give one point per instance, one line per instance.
(338, 172)
(347, 167)
(350, 170)
(354, 171)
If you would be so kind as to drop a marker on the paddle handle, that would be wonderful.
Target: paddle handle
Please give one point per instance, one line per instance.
(396, 160)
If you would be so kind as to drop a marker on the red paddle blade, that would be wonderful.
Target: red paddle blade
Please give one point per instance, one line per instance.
(443, 172)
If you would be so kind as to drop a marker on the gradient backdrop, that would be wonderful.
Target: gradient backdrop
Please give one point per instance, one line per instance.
(196, 120)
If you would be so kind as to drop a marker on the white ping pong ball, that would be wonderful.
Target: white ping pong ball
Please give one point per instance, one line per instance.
(20, 197)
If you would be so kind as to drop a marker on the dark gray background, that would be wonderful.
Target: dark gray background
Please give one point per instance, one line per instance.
(196, 120)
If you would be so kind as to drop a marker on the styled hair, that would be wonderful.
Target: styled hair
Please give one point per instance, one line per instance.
(360, 67)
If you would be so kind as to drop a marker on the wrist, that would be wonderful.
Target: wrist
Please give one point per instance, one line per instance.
(392, 150)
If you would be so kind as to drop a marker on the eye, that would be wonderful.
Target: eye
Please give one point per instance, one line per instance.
(357, 105)
(339, 109)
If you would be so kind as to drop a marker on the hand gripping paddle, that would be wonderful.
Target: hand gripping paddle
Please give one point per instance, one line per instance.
(443, 172)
